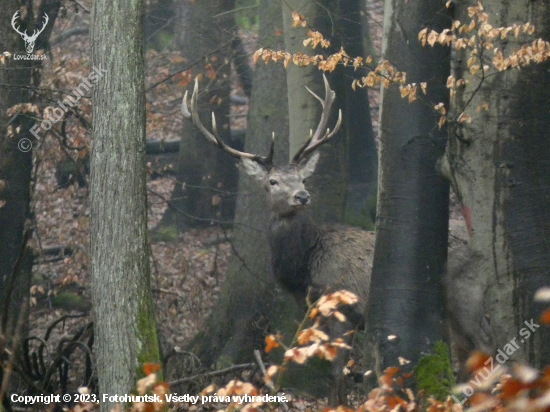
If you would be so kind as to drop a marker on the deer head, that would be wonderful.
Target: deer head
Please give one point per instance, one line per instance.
(284, 184)
(29, 40)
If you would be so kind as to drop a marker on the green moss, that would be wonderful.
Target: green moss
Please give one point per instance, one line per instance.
(165, 234)
(70, 301)
(246, 15)
(224, 361)
(309, 379)
(148, 349)
(434, 374)
(366, 219)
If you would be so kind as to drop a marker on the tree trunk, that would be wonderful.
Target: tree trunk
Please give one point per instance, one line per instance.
(205, 39)
(16, 79)
(362, 152)
(124, 318)
(500, 171)
(235, 326)
(328, 186)
(412, 214)
(15, 165)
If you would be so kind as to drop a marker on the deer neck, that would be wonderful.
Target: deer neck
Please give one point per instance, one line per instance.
(292, 226)
(293, 240)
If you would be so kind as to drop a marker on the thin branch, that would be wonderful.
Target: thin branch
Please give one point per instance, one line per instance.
(172, 206)
(75, 31)
(166, 24)
(236, 253)
(86, 9)
(478, 86)
(189, 66)
(235, 10)
(11, 283)
(268, 382)
(178, 182)
(170, 292)
(213, 373)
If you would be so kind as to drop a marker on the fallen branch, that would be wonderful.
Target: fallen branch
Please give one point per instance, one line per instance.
(213, 373)
(170, 292)
(157, 146)
(57, 250)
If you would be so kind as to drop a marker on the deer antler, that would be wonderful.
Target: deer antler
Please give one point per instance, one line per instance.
(37, 32)
(266, 161)
(13, 20)
(315, 139)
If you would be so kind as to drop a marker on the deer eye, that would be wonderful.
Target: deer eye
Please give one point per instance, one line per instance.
(273, 182)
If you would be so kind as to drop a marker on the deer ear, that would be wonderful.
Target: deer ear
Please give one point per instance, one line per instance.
(253, 169)
(307, 166)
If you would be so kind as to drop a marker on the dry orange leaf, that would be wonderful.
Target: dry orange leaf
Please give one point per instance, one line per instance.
(476, 360)
(149, 368)
(271, 342)
(545, 317)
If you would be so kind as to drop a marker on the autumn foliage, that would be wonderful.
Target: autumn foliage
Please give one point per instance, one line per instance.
(487, 56)
(516, 387)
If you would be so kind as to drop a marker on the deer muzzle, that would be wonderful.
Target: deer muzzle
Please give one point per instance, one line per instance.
(302, 197)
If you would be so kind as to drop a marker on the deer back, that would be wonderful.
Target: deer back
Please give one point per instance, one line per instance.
(343, 260)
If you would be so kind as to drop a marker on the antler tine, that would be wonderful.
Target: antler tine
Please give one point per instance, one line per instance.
(298, 156)
(315, 139)
(193, 115)
(330, 96)
(36, 32)
(266, 161)
(13, 20)
(269, 158)
(44, 24)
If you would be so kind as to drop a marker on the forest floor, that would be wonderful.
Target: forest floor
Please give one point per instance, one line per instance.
(186, 274)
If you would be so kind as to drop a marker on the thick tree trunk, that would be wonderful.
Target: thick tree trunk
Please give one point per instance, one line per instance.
(123, 306)
(205, 38)
(16, 140)
(235, 325)
(500, 171)
(15, 166)
(412, 214)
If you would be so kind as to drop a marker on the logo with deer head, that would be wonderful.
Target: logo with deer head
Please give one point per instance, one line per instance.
(29, 40)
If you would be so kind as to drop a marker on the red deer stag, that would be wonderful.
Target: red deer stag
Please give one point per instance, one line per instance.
(306, 258)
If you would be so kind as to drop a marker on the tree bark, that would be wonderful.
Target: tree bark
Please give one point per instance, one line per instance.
(16, 79)
(362, 153)
(328, 186)
(412, 213)
(15, 166)
(499, 169)
(124, 318)
(235, 326)
(205, 39)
